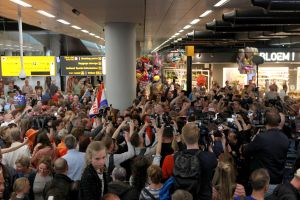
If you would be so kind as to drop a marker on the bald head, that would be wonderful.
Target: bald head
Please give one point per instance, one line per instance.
(60, 166)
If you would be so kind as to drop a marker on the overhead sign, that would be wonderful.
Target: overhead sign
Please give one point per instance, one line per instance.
(278, 56)
(81, 65)
(189, 50)
(33, 65)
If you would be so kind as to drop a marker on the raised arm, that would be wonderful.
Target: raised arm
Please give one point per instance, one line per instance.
(157, 157)
(116, 133)
(119, 158)
(10, 149)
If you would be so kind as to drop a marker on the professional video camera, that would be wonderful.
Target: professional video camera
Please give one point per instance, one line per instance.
(41, 122)
(205, 139)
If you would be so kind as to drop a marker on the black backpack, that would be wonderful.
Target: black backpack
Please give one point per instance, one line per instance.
(187, 171)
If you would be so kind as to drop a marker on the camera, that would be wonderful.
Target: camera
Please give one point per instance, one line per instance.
(205, 138)
(166, 119)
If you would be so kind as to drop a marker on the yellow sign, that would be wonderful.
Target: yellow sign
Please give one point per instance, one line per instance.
(33, 65)
(189, 50)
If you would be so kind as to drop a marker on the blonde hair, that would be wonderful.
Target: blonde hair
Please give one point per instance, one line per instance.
(20, 183)
(190, 133)
(154, 172)
(24, 161)
(226, 183)
(93, 147)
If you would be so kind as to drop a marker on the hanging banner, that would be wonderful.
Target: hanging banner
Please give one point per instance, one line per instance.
(81, 65)
(33, 65)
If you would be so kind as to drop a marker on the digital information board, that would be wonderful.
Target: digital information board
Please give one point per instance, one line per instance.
(81, 65)
(33, 65)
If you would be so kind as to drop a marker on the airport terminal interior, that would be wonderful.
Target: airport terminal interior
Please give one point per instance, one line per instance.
(150, 99)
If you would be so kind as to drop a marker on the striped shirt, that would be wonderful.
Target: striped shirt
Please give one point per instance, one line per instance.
(154, 192)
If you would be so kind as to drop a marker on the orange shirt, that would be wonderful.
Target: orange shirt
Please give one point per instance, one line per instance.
(61, 149)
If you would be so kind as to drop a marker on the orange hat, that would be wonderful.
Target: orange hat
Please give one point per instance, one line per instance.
(31, 134)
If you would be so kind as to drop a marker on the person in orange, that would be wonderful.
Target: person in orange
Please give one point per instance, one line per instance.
(31, 135)
(61, 149)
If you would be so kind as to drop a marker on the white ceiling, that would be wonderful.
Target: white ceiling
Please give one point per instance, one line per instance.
(156, 20)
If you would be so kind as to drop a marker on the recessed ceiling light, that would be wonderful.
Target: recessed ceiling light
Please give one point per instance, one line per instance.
(179, 39)
(221, 3)
(173, 36)
(206, 13)
(42, 12)
(92, 34)
(8, 45)
(176, 34)
(181, 31)
(195, 21)
(97, 36)
(76, 27)
(21, 3)
(85, 31)
(63, 21)
(187, 27)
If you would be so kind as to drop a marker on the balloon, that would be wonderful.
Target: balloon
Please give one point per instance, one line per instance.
(156, 78)
(139, 75)
(201, 80)
(145, 59)
(19, 102)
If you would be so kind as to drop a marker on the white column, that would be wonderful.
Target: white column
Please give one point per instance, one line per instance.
(120, 82)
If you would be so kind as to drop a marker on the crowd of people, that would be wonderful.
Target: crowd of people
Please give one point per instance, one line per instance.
(222, 143)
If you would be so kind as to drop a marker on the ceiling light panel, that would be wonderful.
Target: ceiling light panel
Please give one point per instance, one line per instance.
(195, 21)
(63, 21)
(206, 13)
(22, 3)
(221, 3)
(42, 12)
(76, 27)
(187, 27)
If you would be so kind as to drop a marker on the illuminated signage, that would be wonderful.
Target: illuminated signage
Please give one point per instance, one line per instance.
(81, 65)
(33, 65)
(278, 56)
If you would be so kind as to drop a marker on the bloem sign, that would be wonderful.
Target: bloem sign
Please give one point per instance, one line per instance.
(33, 65)
(278, 56)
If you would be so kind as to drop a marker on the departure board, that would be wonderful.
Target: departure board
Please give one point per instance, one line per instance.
(81, 65)
(33, 65)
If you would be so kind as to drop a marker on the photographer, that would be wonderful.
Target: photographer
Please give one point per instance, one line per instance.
(269, 150)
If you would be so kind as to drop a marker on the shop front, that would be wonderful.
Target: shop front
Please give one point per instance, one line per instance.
(280, 67)
(175, 69)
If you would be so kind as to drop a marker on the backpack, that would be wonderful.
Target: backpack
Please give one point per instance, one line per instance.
(167, 189)
(187, 172)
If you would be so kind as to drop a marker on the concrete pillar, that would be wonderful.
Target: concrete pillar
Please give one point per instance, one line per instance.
(120, 82)
(138, 49)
